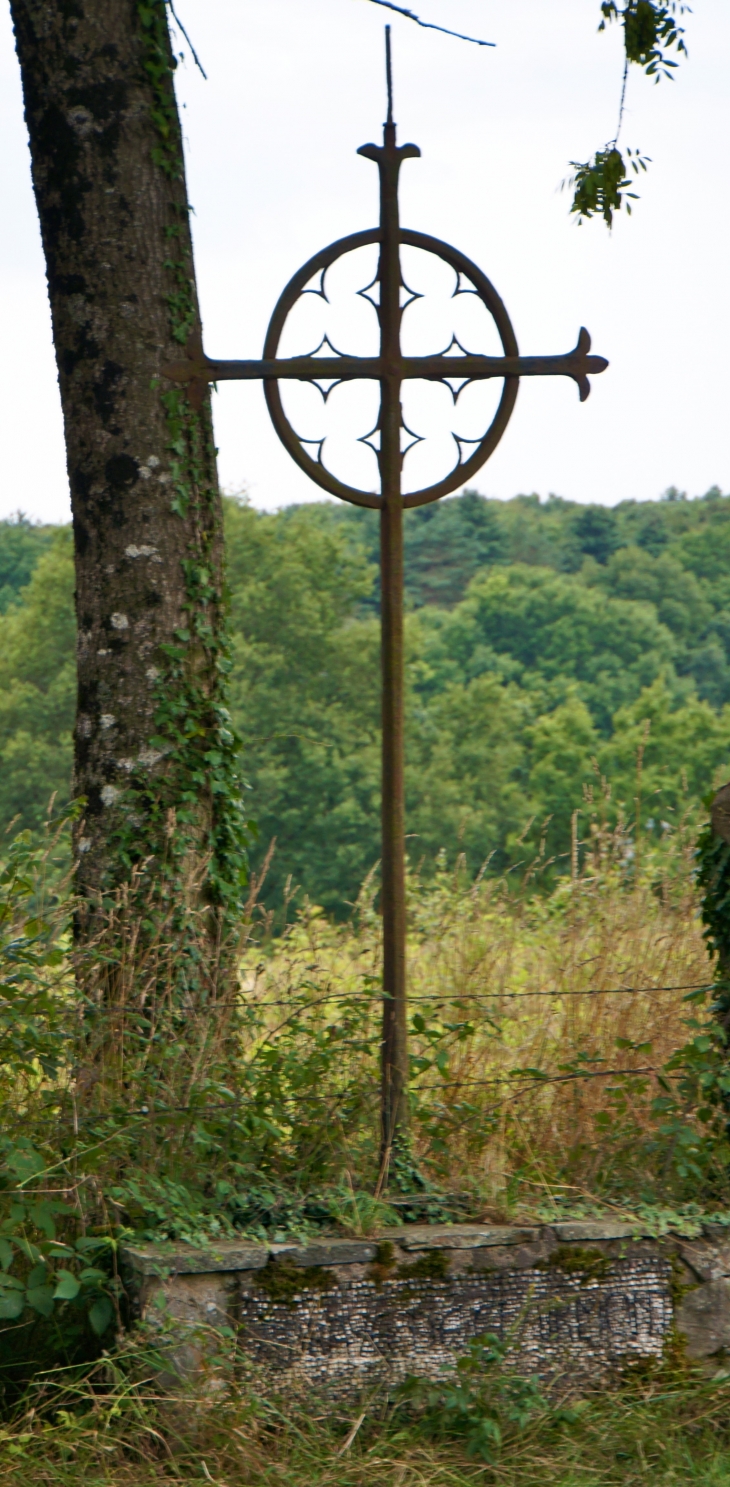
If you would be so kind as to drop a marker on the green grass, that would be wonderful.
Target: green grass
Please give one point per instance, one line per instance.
(661, 1426)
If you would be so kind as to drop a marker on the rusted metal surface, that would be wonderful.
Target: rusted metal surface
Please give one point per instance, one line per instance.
(391, 369)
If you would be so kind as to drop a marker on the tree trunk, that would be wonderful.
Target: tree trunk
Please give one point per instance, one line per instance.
(153, 756)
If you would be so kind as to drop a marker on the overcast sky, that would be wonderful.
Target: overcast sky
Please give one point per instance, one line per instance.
(294, 86)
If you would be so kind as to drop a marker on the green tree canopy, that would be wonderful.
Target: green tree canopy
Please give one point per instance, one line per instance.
(531, 686)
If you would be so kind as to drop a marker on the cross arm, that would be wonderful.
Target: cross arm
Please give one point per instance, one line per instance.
(467, 368)
(197, 369)
(296, 368)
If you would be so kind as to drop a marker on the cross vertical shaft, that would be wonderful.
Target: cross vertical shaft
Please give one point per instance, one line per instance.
(394, 1045)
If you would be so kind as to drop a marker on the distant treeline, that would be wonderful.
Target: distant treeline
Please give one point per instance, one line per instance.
(549, 644)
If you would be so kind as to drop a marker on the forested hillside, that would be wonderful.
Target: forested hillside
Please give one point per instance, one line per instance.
(547, 643)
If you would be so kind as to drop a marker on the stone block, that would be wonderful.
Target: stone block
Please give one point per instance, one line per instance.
(706, 1260)
(712, 1229)
(703, 1318)
(510, 1257)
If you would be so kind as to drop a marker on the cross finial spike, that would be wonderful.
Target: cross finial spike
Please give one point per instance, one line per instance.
(389, 73)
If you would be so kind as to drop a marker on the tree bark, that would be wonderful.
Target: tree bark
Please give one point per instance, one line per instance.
(153, 756)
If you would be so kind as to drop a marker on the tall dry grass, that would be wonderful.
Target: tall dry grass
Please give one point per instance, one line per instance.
(540, 1020)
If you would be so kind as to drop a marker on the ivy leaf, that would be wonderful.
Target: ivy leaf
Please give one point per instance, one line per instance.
(100, 1315)
(11, 1282)
(42, 1217)
(11, 1305)
(41, 1299)
(24, 1161)
(86, 1243)
(68, 1287)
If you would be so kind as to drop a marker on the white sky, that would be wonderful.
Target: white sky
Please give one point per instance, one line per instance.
(294, 87)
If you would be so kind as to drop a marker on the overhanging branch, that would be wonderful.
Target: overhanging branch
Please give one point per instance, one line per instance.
(430, 25)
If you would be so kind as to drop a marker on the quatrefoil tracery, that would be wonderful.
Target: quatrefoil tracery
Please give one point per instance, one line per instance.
(469, 280)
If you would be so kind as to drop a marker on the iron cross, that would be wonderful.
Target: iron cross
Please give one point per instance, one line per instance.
(390, 368)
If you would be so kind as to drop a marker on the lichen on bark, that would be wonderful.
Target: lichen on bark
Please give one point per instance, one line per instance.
(155, 757)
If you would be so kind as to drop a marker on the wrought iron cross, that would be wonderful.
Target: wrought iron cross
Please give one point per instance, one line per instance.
(390, 368)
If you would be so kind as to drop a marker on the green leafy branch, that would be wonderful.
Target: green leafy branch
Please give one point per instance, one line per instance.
(485, 1405)
(39, 1268)
(601, 184)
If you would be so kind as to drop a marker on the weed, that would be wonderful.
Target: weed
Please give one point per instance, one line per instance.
(115, 1425)
(483, 1405)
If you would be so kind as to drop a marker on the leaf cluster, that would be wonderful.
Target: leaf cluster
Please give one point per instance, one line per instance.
(601, 184)
(651, 28)
(486, 1405)
(40, 1266)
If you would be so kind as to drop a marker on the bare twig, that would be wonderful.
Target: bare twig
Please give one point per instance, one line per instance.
(180, 27)
(430, 25)
(349, 1438)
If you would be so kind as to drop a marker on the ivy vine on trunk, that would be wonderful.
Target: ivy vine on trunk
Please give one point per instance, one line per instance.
(156, 760)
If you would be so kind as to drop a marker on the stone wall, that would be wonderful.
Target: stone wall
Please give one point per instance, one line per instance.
(576, 1298)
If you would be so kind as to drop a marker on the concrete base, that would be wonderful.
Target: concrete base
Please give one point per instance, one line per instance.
(576, 1298)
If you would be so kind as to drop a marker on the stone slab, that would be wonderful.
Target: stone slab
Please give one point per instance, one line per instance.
(187, 1260)
(592, 1231)
(327, 1252)
(457, 1236)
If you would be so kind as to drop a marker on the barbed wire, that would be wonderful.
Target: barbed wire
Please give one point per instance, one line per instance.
(378, 995)
(233, 1106)
(538, 1077)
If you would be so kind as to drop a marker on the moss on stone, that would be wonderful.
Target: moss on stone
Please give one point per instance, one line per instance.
(678, 1283)
(383, 1264)
(578, 1259)
(434, 1265)
(283, 1281)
